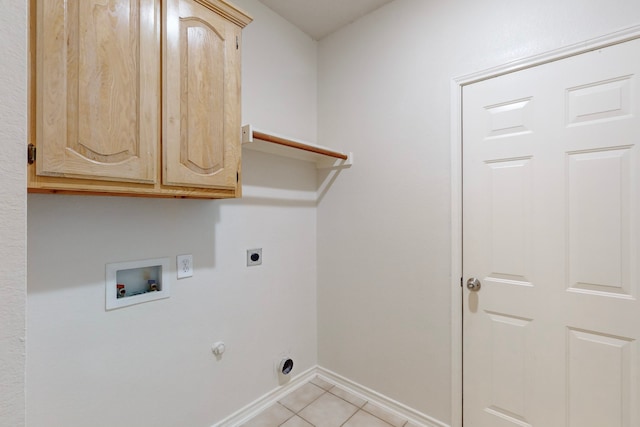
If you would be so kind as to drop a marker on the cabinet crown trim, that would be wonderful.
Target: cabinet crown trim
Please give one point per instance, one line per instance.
(232, 13)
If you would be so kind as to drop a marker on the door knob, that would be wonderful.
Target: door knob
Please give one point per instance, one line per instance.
(473, 284)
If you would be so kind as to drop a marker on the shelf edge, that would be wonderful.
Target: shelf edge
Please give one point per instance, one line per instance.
(272, 143)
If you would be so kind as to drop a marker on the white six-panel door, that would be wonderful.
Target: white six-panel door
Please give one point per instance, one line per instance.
(551, 218)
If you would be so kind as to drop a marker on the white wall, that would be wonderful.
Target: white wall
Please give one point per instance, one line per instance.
(279, 63)
(384, 227)
(13, 134)
(152, 364)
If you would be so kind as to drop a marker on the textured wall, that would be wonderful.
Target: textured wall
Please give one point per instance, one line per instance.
(13, 134)
(384, 227)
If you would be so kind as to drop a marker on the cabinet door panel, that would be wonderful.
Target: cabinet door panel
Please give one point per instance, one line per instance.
(202, 100)
(201, 128)
(97, 90)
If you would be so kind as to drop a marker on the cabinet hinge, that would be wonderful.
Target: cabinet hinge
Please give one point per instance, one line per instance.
(31, 154)
(237, 43)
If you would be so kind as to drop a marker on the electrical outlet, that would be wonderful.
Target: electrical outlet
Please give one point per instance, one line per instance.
(185, 266)
(254, 257)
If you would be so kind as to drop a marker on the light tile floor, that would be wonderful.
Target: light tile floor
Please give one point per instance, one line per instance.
(321, 404)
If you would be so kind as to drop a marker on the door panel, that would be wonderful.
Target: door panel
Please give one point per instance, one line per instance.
(550, 227)
(598, 186)
(599, 378)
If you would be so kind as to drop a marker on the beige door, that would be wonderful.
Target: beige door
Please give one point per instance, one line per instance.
(551, 229)
(98, 89)
(201, 140)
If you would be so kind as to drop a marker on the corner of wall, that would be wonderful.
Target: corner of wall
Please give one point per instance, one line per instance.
(13, 282)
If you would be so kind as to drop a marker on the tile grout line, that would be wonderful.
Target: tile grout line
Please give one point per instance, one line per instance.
(294, 414)
(328, 391)
(352, 415)
(384, 421)
(358, 408)
(375, 416)
(303, 408)
(339, 397)
(361, 408)
(303, 418)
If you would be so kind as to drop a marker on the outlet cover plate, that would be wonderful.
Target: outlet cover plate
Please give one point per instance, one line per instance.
(184, 266)
(254, 257)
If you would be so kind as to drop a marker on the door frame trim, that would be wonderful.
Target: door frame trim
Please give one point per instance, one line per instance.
(457, 85)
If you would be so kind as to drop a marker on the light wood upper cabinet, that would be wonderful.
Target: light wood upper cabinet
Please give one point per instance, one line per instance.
(201, 96)
(98, 97)
(97, 89)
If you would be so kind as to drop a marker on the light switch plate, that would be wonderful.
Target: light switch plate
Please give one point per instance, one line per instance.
(184, 266)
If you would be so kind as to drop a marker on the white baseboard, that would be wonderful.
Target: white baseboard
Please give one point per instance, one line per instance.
(259, 405)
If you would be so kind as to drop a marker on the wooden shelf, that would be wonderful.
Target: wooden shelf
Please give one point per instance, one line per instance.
(269, 142)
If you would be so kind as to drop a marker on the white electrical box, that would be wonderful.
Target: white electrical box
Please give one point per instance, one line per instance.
(135, 282)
